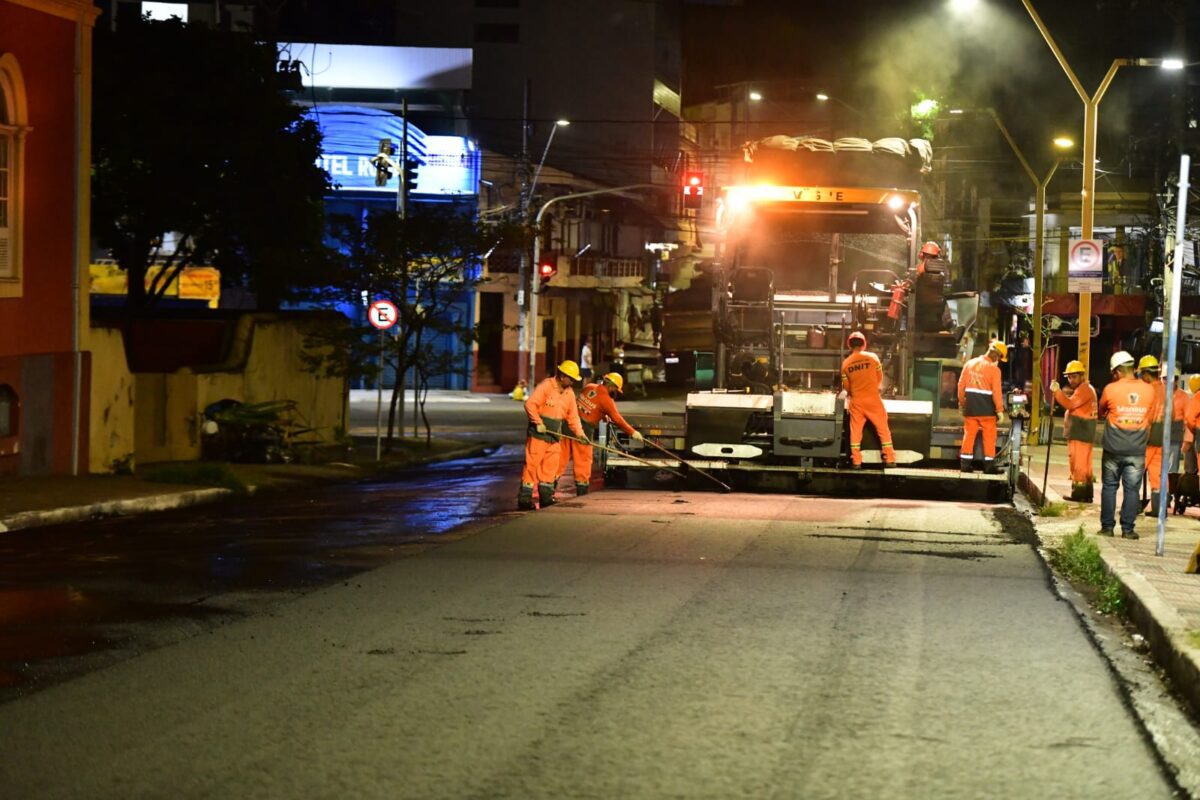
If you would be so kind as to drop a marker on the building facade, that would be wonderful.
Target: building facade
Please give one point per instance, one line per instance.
(45, 80)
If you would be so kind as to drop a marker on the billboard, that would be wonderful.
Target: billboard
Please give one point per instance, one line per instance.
(446, 165)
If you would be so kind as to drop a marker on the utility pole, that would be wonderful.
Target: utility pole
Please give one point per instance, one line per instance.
(523, 322)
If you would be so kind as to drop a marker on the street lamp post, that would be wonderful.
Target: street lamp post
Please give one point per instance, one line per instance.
(523, 319)
(1091, 106)
(1039, 185)
(537, 256)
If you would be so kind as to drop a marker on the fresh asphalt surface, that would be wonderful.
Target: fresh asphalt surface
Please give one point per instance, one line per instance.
(626, 644)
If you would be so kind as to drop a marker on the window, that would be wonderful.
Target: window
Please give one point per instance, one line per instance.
(12, 137)
(8, 411)
(497, 33)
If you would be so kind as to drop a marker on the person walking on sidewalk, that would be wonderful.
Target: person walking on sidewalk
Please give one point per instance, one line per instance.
(862, 377)
(1127, 406)
(1148, 370)
(596, 403)
(982, 404)
(551, 404)
(1079, 428)
(585, 360)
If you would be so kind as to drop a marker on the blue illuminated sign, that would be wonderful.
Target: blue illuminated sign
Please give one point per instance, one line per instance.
(446, 165)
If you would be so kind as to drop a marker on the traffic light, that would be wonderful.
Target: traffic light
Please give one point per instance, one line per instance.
(410, 175)
(382, 161)
(547, 269)
(693, 189)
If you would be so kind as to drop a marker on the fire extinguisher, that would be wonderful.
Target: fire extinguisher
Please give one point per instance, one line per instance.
(899, 294)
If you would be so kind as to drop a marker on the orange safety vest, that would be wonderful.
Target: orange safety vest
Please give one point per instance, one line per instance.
(979, 392)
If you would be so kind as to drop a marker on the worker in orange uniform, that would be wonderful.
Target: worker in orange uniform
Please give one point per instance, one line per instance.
(982, 404)
(1148, 370)
(596, 403)
(1128, 407)
(1191, 418)
(551, 404)
(1079, 428)
(862, 375)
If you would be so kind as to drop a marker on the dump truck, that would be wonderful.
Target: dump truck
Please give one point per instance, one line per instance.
(817, 239)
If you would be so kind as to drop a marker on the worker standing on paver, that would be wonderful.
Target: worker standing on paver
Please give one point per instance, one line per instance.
(551, 404)
(1079, 428)
(596, 403)
(1148, 370)
(982, 404)
(862, 377)
(1127, 406)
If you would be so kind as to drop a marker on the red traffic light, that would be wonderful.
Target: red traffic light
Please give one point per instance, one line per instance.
(693, 189)
(547, 269)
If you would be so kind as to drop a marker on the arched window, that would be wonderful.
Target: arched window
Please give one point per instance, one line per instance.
(13, 128)
(8, 411)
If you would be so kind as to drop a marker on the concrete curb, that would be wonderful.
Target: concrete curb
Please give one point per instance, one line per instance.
(1162, 626)
(1032, 489)
(1155, 619)
(137, 505)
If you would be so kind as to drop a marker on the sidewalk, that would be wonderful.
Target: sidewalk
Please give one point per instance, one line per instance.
(1164, 600)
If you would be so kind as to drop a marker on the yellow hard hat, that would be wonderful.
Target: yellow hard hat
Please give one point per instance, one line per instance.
(1194, 384)
(616, 380)
(570, 369)
(1001, 348)
(1148, 362)
(1075, 368)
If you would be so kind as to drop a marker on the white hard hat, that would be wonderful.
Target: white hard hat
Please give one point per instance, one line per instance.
(1120, 359)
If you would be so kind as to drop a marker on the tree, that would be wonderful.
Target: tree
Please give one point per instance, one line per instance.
(193, 136)
(424, 264)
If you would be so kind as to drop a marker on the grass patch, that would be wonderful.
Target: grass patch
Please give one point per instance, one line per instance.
(1052, 510)
(1077, 557)
(197, 474)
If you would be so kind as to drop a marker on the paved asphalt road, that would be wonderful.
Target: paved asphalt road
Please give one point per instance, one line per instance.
(627, 644)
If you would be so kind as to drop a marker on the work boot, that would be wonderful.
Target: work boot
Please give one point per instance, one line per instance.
(525, 498)
(966, 467)
(1105, 532)
(581, 489)
(1152, 509)
(545, 494)
(1129, 535)
(1081, 492)
(991, 467)
(857, 465)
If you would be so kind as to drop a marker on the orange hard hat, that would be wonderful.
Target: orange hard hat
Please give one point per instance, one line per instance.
(857, 336)
(931, 249)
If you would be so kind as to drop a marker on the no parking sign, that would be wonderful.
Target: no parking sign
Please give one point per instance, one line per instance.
(1085, 269)
(382, 314)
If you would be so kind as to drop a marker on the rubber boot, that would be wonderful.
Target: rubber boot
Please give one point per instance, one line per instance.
(1081, 492)
(1152, 511)
(1089, 493)
(525, 498)
(545, 494)
(581, 489)
(966, 466)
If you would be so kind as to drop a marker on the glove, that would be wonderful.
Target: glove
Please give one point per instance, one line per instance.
(637, 436)
(999, 417)
(541, 428)
(1054, 386)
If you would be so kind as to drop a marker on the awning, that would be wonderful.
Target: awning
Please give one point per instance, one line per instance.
(1110, 305)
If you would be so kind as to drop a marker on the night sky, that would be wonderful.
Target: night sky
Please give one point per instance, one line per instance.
(876, 53)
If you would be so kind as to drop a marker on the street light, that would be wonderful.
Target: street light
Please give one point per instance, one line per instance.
(523, 323)
(1091, 106)
(824, 98)
(537, 258)
(1039, 185)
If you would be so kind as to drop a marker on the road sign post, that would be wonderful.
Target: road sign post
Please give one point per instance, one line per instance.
(1085, 277)
(383, 315)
